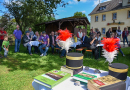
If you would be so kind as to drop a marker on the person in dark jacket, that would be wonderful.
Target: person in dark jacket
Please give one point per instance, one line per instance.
(91, 32)
(84, 41)
(125, 35)
(26, 41)
(52, 41)
(92, 42)
(108, 33)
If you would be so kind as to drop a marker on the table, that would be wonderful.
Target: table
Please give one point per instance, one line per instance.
(34, 43)
(75, 44)
(69, 83)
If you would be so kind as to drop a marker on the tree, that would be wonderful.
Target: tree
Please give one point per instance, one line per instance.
(79, 14)
(4, 20)
(27, 13)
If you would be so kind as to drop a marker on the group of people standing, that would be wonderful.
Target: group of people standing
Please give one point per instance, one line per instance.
(119, 33)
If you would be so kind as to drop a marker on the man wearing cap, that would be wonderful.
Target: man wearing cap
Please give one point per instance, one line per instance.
(26, 41)
(119, 32)
(44, 39)
(2, 34)
(18, 36)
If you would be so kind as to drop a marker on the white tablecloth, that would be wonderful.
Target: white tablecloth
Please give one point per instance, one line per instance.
(75, 44)
(99, 45)
(34, 43)
(69, 83)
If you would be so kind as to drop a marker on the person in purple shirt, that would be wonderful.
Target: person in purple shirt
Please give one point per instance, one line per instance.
(18, 36)
(44, 39)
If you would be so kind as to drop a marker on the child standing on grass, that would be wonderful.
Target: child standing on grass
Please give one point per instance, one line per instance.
(5, 46)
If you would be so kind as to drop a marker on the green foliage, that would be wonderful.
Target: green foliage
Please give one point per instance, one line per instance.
(28, 13)
(88, 30)
(79, 14)
(4, 20)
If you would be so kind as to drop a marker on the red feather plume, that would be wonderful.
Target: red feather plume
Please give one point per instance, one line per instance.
(64, 34)
(110, 44)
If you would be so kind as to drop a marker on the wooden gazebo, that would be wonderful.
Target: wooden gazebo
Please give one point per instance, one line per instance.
(70, 23)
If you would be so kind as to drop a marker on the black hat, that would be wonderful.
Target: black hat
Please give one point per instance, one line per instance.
(27, 32)
(43, 32)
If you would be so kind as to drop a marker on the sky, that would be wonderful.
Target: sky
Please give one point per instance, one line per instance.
(84, 6)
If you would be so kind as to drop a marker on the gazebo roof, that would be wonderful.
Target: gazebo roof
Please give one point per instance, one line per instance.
(74, 18)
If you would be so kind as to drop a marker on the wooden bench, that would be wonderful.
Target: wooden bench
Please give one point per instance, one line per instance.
(80, 49)
(58, 49)
(89, 51)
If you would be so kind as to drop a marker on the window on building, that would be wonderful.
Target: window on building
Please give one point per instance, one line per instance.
(96, 29)
(129, 14)
(96, 18)
(102, 8)
(103, 30)
(129, 30)
(103, 17)
(114, 16)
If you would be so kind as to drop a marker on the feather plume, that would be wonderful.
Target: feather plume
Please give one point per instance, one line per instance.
(64, 35)
(110, 48)
(65, 40)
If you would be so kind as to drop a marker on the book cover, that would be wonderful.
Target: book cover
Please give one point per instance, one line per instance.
(64, 69)
(51, 78)
(84, 77)
(106, 83)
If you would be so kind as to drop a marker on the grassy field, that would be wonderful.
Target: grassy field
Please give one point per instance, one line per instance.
(17, 72)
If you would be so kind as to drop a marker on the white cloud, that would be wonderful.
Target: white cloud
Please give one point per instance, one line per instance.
(70, 2)
(96, 2)
(14, 1)
(7, 1)
(61, 10)
(75, 1)
(83, 11)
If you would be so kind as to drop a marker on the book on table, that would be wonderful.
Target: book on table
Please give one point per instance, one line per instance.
(52, 78)
(106, 83)
(83, 77)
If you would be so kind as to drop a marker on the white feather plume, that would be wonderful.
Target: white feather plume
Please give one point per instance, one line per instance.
(109, 55)
(66, 44)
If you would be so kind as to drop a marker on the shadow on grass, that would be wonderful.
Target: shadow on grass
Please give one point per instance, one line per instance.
(23, 61)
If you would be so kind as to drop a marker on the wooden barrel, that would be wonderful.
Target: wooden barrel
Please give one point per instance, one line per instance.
(118, 70)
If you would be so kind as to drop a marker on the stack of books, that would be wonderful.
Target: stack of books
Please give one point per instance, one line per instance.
(106, 83)
(52, 78)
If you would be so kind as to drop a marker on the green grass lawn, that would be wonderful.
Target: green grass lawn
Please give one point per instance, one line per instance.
(17, 72)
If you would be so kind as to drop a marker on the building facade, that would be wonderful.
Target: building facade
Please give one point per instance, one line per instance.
(111, 14)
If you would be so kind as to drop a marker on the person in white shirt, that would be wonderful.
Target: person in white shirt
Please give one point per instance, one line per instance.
(56, 34)
(80, 34)
(119, 32)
